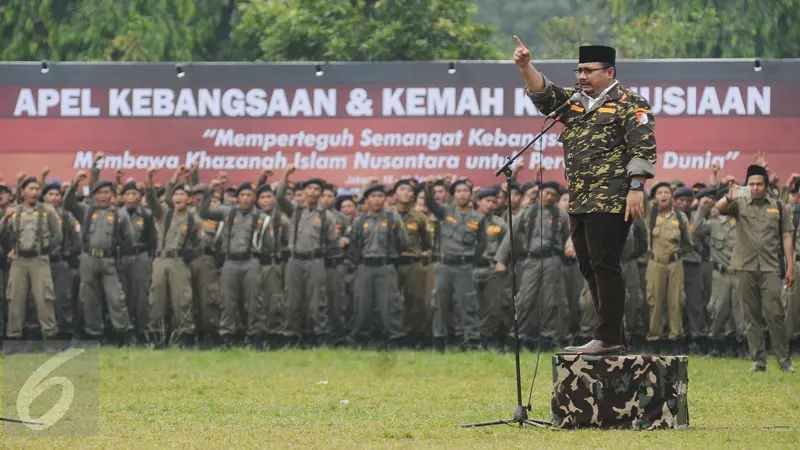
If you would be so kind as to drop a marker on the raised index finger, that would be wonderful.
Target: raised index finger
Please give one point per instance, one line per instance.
(519, 43)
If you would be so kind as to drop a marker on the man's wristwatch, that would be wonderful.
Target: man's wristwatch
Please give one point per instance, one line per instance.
(637, 186)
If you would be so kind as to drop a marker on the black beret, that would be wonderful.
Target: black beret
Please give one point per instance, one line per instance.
(182, 187)
(344, 198)
(230, 189)
(697, 186)
(266, 187)
(403, 182)
(4, 188)
(131, 186)
(659, 185)
(439, 183)
(757, 170)
(515, 186)
(550, 185)
(723, 190)
(707, 192)
(28, 181)
(683, 192)
(246, 186)
(200, 188)
(318, 181)
(50, 187)
(100, 185)
(377, 187)
(597, 53)
(161, 191)
(487, 192)
(795, 187)
(458, 182)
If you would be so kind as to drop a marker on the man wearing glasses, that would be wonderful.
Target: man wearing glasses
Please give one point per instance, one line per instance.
(609, 153)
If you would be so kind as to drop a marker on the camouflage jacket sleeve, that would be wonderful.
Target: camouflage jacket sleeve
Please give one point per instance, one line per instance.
(549, 98)
(640, 139)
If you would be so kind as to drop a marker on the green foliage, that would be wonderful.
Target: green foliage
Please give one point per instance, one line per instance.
(344, 30)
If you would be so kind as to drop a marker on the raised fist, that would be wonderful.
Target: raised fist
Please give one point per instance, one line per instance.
(80, 176)
(151, 171)
(214, 184)
(98, 156)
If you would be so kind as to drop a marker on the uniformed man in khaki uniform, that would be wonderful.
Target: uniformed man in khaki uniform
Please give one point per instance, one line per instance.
(694, 270)
(137, 262)
(106, 235)
(670, 239)
(542, 230)
(761, 238)
(35, 231)
(493, 289)
(241, 295)
(410, 271)
(724, 308)
(179, 235)
(455, 302)
(376, 240)
(312, 236)
(274, 240)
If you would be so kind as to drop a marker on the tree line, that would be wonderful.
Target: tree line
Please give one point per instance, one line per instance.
(391, 30)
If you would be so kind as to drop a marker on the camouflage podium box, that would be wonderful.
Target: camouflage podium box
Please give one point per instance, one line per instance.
(638, 392)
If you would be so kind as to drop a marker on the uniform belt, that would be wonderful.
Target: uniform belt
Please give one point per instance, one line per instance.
(458, 260)
(57, 258)
(403, 260)
(174, 253)
(538, 254)
(573, 261)
(29, 253)
(136, 251)
(482, 263)
(378, 262)
(672, 258)
(691, 263)
(720, 268)
(334, 262)
(270, 260)
(317, 254)
(100, 252)
(240, 256)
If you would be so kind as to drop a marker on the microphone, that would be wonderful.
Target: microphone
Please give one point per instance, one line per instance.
(576, 97)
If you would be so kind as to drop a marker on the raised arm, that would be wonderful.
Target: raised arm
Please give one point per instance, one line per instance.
(286, 206)
(206, 212)
(150, 194)
(71, 203)
(433, 206)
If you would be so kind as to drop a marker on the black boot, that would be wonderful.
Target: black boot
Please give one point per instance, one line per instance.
(439, 344)
(257, 342)
(794, 346)
(186, 341)
(228, 341)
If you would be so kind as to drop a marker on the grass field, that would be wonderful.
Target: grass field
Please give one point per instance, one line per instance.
(342, 398)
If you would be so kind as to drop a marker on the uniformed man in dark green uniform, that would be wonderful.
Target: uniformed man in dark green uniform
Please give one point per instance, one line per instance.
(338, 303)
(543, 230)
(636, 310)
(493, 288)
(790, 193)
(137, 263)
(410, 271)
(724, 308)
(609, 153)
(179, 235)
(376, 240)
(62, 259)
(106, 235)
(763, 234)
(241, 294)
(274, 242)
(312, 236)
(455, 302)
(695, 265)
(34, 231)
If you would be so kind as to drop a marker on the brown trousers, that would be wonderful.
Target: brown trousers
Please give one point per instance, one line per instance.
(599, 239)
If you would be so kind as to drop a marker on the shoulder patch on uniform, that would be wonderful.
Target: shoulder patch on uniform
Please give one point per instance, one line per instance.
(675, 222)
(451, 219)
(473, 224)
(493, 230)
(412, 226)
(366, 225)
(642, 118)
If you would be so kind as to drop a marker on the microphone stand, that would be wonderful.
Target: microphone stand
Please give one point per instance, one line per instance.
(521, 412)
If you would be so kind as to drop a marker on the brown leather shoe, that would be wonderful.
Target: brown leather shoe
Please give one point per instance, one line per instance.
(596, 347)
